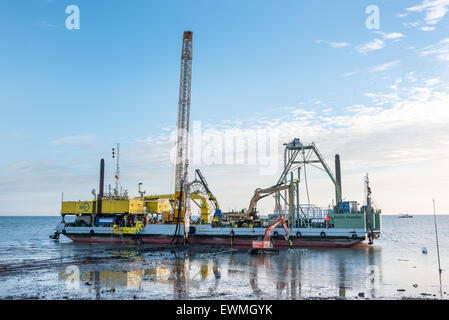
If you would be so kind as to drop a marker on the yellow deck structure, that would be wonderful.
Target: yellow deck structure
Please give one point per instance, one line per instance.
(158, 207)
(109, 206)
(77, 207)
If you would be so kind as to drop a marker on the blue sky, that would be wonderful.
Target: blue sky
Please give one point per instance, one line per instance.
(310, 66)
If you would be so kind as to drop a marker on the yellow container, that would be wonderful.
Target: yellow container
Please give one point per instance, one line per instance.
(158, 206)
(68, 207)
(114, 206)
(107, 206)
(77, 207)
(122, 206)
(136, 206)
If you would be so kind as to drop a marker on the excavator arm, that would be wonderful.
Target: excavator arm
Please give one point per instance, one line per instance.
(281, 219)
(265, 244)
(206, 187)
(249, 215)
(262, 193)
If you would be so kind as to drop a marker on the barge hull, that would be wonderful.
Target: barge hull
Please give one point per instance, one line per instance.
(216, 241)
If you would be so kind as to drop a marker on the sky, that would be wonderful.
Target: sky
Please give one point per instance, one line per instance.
(321, 71)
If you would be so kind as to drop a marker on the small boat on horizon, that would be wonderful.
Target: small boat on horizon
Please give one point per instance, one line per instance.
(405, 216)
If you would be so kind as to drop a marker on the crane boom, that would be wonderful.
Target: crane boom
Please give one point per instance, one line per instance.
(182, 143)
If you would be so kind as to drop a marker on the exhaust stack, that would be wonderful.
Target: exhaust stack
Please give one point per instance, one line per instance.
(100, 194)
(338, 193)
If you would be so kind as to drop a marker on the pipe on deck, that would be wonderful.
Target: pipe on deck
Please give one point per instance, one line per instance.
(101, 193)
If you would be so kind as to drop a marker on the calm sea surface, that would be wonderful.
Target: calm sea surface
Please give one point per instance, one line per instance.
(34, 266)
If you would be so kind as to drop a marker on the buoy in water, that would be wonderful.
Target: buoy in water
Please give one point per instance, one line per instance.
(424, 250)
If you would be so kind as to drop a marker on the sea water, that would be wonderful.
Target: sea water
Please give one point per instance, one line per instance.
(32, 266)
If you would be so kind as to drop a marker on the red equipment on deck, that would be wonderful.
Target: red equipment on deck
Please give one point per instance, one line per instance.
(266, 243)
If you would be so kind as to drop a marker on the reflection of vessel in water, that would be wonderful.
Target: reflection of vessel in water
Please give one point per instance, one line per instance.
(166, 219)
(187, 275)
(405, 216)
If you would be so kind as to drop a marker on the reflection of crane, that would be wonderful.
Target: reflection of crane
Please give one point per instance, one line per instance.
(250, 216)
(181, 271)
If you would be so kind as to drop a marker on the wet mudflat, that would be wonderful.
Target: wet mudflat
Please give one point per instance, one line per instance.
(34, 267)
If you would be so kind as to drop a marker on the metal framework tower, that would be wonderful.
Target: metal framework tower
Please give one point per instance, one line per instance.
(182, 143)
(294, 150)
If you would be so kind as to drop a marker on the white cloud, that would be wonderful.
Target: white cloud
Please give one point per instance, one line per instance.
(46, 24)
(391, 36)
(399, 130)
(374, 45)
(385, 66)
(402, 15)
(349, 74)
(435, 10)
(396, 83)
(333, 44)
(440, 50)
(338, 44)
(411, 77)
(412, 24)
(377, 43)
(382, 67)
(428, 28)
(76, 140)
(432, 82)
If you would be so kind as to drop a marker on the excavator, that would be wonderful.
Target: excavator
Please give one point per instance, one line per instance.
(250, 218)
(266, 246)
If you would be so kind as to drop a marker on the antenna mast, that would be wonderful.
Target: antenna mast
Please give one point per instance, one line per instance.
(116, 154)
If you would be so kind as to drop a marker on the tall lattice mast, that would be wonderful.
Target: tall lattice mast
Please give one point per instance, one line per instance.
(182, 144)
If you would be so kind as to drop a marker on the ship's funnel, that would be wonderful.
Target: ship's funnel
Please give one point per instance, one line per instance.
(338, 178)
(100, 194)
